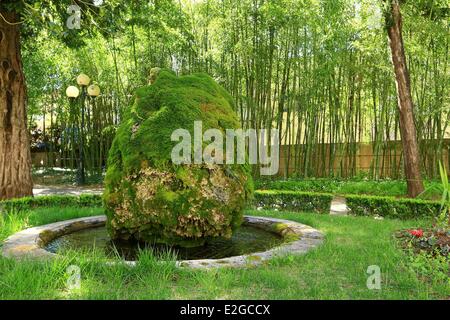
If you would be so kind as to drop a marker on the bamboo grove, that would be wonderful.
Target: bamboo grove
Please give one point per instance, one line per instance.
(319, 71)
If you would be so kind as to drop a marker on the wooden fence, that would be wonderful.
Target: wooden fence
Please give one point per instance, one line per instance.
(345, 160)
(324, 160)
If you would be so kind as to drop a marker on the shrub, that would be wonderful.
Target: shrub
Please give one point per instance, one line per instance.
(389, 207)
(26, 203)
(294, 201)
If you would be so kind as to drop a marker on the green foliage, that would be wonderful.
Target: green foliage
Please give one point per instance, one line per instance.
(50, 176)
(444, 217)
(28, 203)
(51, 16)
(247, 55)
(149, 198)
(393, 208)
(310, 185)
(359, 196)
(432, 267)
(169, 104)
(292, 200)
(14, 218)
(394, 188)
(351, 245)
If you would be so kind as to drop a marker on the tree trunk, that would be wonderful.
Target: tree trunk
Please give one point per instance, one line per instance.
(405, 104)
(15, 156)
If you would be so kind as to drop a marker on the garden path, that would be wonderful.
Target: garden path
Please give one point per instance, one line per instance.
(339, 206)
(40, 190)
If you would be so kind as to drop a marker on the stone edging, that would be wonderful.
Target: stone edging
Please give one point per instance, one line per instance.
(300, 238)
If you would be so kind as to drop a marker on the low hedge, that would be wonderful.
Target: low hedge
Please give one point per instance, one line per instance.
(305, 185)
(286, 200)
(293, 201)
(51, 201)
(393, 208)
(360, 205)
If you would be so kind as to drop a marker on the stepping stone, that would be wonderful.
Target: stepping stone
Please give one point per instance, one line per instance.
(339, 207)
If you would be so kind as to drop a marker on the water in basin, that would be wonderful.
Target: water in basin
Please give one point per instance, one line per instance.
(246, 239)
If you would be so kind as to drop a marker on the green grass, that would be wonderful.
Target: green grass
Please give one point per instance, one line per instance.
(16, 221)
(336, 270)
(393, 188)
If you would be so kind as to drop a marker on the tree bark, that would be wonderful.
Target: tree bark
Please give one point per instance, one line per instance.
(405, 103)
(15, 156)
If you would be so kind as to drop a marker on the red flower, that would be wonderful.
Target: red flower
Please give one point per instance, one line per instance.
(416, 233)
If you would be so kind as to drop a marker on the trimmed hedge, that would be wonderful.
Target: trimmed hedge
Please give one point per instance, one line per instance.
(273, 199)
(388, 207)
(393, 208)
(293, 201)
(26, 203)
(305, 185)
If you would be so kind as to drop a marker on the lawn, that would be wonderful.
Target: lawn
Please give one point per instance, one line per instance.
(391, 188)
(336, 270)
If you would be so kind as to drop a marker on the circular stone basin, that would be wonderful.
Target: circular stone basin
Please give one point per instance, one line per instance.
(258, 240)
(245, 240)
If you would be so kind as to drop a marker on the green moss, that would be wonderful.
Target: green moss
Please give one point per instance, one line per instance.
(254, 258)
(285, 231)
(149, 198)
(46, 236)
(291, 237)
(168, 196)
(279, 227)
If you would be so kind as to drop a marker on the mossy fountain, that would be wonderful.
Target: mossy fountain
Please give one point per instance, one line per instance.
(194, 209)
(147, 197)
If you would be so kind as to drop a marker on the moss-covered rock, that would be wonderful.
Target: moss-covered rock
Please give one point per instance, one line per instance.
(147, 197)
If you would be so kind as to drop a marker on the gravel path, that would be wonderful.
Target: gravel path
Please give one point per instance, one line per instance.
(65, 190)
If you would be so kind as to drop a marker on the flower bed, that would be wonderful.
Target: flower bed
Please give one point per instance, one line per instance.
(435, 242)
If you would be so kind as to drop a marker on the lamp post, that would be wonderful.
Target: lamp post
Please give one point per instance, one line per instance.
(94, 91)
(72, 93)
(83, 81)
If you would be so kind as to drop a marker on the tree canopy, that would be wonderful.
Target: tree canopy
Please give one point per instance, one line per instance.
(320, 71)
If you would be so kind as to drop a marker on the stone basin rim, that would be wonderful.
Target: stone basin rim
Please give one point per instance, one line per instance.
(29, 243)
